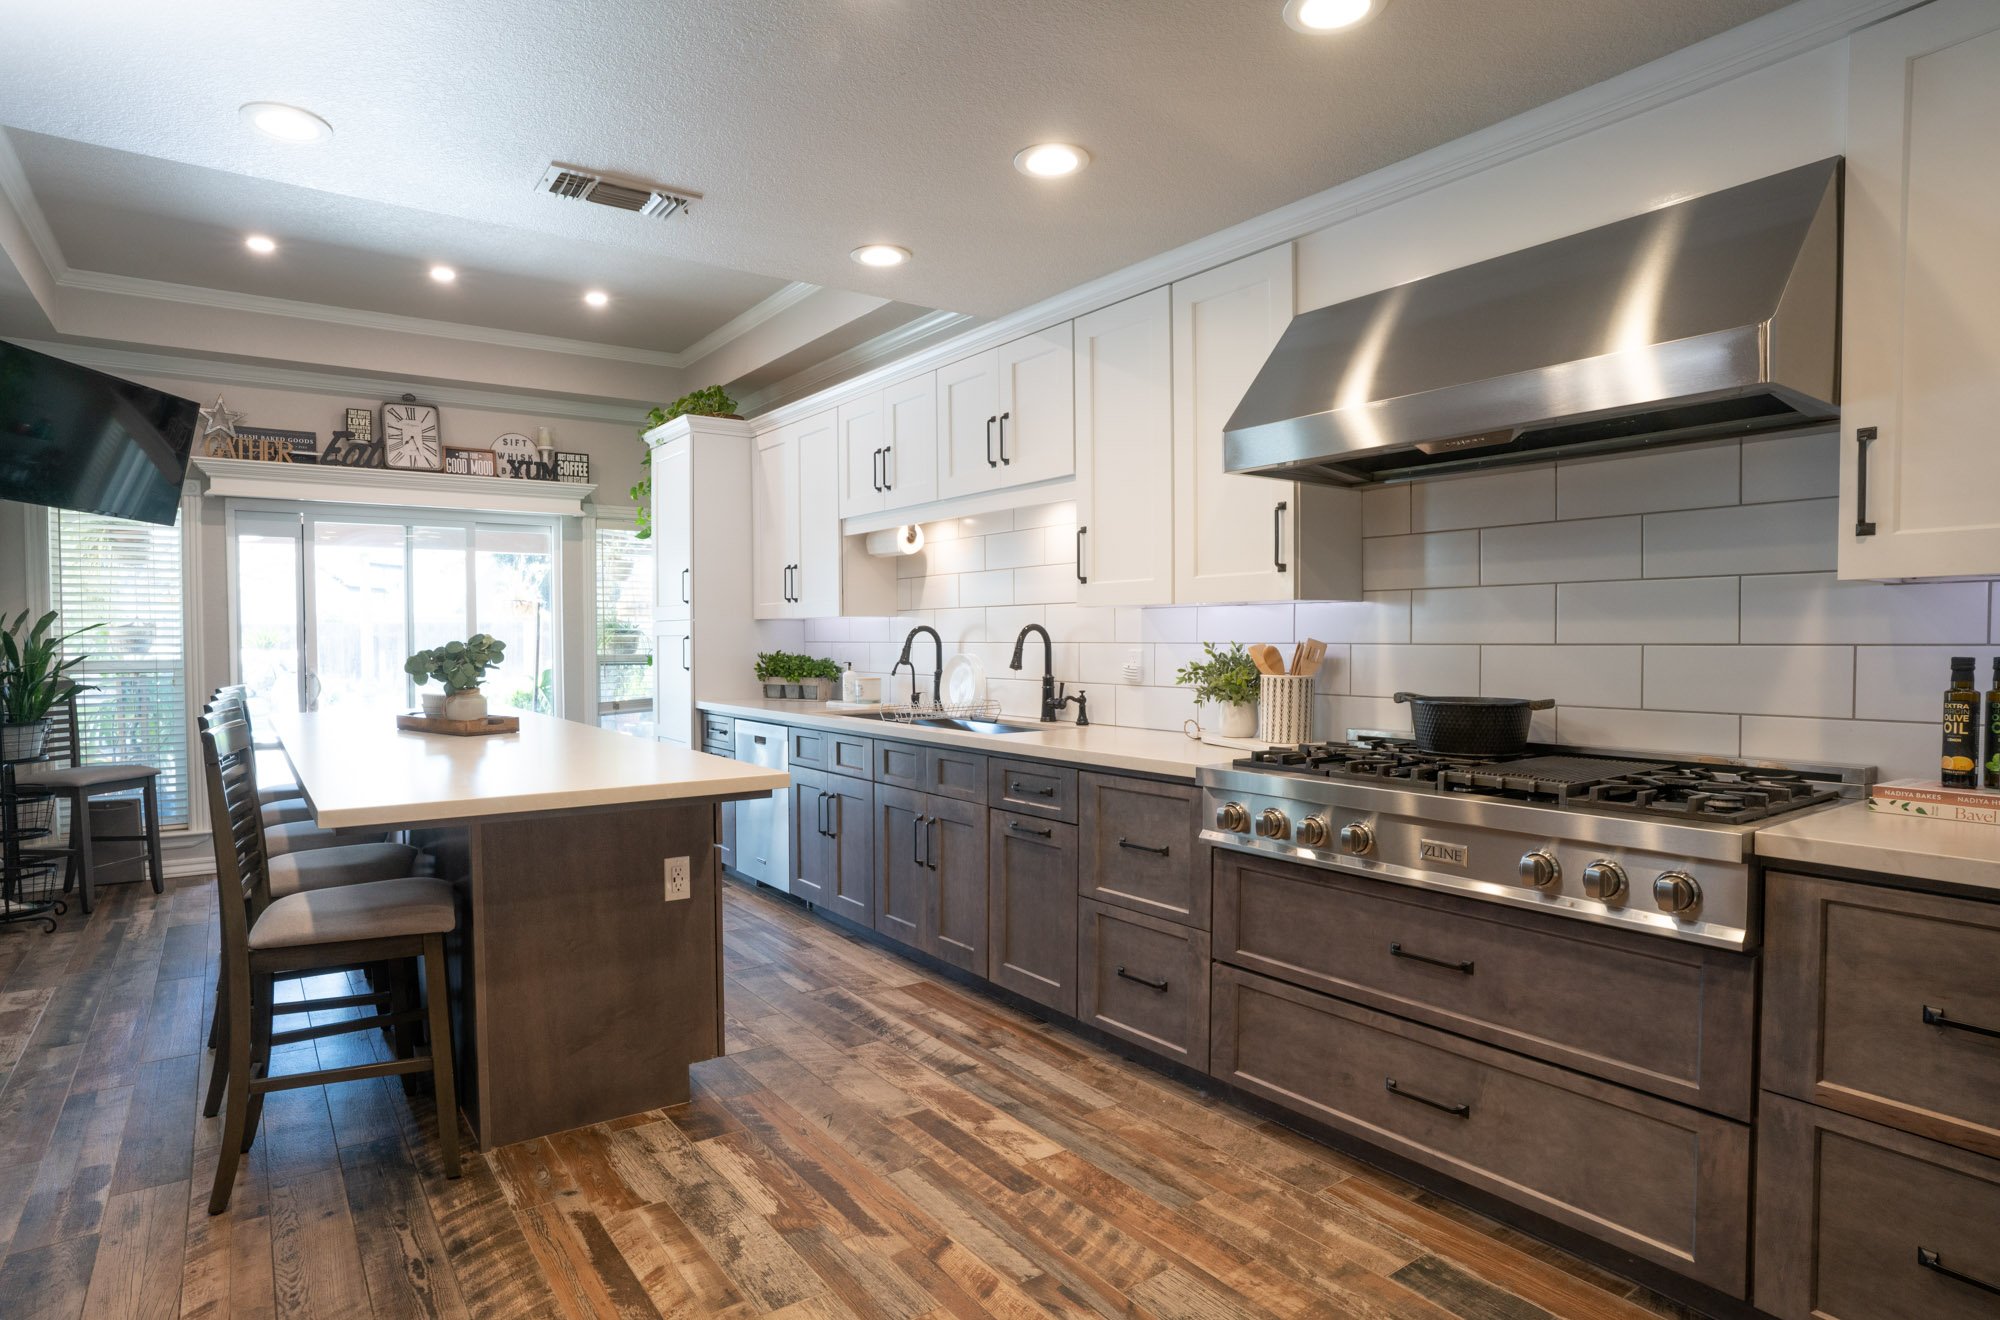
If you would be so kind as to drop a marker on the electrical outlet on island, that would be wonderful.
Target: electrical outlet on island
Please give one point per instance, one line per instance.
(680, 879)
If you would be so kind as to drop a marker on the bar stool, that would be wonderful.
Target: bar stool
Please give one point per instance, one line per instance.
(283, 803)
(288, 822)
(265, 938)
(66, 776)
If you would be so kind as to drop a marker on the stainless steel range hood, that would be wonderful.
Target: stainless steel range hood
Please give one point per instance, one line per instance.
(1712, 317)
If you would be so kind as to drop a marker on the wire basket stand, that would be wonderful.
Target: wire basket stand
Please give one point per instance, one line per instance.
(30, 885)
(986, 710)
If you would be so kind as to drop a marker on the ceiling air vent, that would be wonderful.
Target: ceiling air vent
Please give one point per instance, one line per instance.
(619, 194)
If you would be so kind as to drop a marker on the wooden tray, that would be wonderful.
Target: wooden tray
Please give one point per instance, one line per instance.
(421, 723)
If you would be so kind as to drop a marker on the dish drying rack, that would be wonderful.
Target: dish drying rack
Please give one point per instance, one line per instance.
(987, 710)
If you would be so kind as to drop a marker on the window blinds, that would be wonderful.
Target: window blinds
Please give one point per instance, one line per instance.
(127, 577)
(624, 621)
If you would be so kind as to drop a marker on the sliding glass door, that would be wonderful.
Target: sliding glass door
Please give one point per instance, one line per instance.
(328, 602)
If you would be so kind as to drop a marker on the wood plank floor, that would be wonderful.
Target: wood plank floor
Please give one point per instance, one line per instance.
(878, 1142)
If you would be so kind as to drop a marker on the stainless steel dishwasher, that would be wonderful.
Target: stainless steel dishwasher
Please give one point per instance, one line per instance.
(763, 825)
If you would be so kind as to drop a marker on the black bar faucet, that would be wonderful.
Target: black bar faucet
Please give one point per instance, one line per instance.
(937, 674)
(1053, 699)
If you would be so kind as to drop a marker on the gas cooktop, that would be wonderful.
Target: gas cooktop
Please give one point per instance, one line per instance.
(1721, 793)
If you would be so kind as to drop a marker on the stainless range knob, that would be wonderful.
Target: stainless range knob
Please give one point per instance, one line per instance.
(1540, 869)
(1676, 892)
(1357, 838)
(1604, 881)
(1313, 832)
(1234, 817)
(1272, 824)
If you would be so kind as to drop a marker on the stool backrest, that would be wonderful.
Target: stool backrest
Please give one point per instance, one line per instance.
(242, 873)
(64, 747)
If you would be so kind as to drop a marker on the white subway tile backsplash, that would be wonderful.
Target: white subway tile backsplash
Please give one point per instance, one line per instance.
(1752, 680)
(985, 524)
(1908, 682)
(1046, 515)
(1245, 623)
(1335, 717)
(1817, 607)
(1993, 613)
(1796, 537)
(965, 555)
(1517, 495)
(1017, 549)
(1059, 545)
(1484, 614)
(1898, 751)
(1083, 623)
(1379, 616)
(1150, 707)
(995, 587)
(1679, 732)
(1436, 559)
(1174, 623)
(1791, 467)
(935, 593)
(1051, 584)
(1385, 511)
(1586, 550)
(1383, 671)
(1693, 477)
(1664, 610)
(1584, 675)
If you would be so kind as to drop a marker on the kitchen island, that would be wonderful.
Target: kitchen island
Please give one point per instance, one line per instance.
(581, 991)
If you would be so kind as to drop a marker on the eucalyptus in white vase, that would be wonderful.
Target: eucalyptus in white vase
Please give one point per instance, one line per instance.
(461, 667)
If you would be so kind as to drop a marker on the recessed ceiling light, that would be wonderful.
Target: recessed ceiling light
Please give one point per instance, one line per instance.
(881, 254)
(1051, 160)
(1317, 16)
(261, 245)
(286, 123)
(597, 297)
(443, 274)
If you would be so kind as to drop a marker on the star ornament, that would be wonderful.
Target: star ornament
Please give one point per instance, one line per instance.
(219, 419)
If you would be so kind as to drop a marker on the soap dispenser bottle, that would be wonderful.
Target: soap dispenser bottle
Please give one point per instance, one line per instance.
(1958, 765)
(850, 685)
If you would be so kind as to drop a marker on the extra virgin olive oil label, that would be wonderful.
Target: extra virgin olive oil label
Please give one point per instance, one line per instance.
(1959, 763)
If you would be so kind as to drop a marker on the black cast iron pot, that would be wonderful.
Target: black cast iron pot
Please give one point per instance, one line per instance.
(1472, 726)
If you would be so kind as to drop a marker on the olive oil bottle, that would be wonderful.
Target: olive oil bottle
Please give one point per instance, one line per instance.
(1993, 729)
(1959, 765)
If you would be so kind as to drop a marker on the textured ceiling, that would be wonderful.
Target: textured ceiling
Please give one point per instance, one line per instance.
(811, 125)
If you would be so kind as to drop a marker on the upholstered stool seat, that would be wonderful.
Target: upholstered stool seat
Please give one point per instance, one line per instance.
(303, 836)
(286, 811)
(350, 864)
(82, 776)
(378, 910)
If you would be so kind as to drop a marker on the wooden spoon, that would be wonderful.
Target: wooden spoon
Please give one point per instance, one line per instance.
(1267, 659)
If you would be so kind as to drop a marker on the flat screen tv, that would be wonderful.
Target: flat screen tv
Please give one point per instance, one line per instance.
(79, 439)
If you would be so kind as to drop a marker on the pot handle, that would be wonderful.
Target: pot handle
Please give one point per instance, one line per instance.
(1545, 703)
(1418, 696)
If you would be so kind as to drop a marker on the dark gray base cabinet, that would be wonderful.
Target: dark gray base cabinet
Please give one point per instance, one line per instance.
(1662, 1181)
(1856, 1221)
(1144, 979)
(930, 874)
(833, 843)
(1142, 848)
(1031, 909)
(1672, 1018)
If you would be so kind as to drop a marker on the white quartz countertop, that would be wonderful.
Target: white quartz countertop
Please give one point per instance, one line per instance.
(1854, 838)
(1100, 746)
(358, 769)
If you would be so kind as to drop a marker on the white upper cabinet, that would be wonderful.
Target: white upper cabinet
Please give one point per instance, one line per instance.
(801, 565)
(1006, 417)
(672, 467)
(1920, 457)
(861, 450)
(816, 568)
(774, 518)
(910, 441)
(1125, 453)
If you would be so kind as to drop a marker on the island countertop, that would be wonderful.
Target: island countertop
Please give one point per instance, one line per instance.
(358, 770)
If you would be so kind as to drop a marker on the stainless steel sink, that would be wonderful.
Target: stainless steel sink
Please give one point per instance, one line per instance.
(963, 726)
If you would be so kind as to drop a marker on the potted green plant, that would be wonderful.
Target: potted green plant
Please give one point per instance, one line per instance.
(714, 401)
(461, 667)
(787, 674)
(34, 676)
(1228, 679)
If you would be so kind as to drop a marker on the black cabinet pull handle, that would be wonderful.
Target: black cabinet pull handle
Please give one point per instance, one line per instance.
(1144, 848)
(1015, 827)
(1160, 986)
(1079, 554)
(1003, 437)
(835, 809)
(1398, 951)
(1278, 536)
(930, 843)
(888, 455)
(1456, 1111)
(686, 575)
(1863, 438)
(819, 809)
(1930, 1260)
(1025, 791)
(1935, 1017)
(989, 442)
(917, 846)
(875, 469)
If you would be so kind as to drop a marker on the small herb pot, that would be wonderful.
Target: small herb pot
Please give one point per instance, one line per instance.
(775, 690)
(469, 705)
(1239, 719)
(433, 704)
(808, 691)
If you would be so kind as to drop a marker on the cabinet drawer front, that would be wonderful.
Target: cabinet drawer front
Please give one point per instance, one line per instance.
(900, 764)
(1144, 979)
(848, 755)
(1849, 1211)
(955, 774)
(718, 729)
(1665, 1182)
(1879, 1002)
(1048, 791)
(1031, 909)
(807, 747)
(1140, 842)
(1661, 1015)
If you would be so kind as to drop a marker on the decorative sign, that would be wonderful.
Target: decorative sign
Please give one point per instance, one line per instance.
(344, 450)
(572, 467)
(218, 419)
(263, 444)
(361, 423)
(511, 451)
(470, 462)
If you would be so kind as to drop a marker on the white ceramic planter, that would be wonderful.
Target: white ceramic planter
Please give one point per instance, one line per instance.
(433, 704)
(465, 705)
(1239, 720)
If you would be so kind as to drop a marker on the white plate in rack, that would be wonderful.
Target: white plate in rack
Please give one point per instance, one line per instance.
(963, 680)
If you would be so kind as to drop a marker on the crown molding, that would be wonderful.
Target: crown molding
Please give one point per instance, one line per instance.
(1755, 45)
(14, 187)
(889, 344)
(210, 371)
(744, 322)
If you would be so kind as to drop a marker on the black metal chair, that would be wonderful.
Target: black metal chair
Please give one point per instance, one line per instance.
(65, 776)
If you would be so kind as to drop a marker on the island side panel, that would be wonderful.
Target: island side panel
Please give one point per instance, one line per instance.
(594, 994)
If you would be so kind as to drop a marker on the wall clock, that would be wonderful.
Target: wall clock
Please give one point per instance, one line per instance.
(516, 455)
(411, 437)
